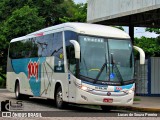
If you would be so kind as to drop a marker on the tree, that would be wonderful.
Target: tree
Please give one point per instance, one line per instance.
(156, 30)
(22, 21)
(151, 46)
(51, 10)
(74, 12)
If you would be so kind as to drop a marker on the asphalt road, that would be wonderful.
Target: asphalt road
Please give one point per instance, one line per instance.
(46, 108)
(40, 104)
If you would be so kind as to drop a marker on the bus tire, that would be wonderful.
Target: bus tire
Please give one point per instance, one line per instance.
(106, 108)
(17, 91)
(59, 99)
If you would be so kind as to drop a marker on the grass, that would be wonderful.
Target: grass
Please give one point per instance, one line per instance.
(137, 99)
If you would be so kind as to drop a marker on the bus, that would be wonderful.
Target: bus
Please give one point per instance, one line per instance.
(77, 63)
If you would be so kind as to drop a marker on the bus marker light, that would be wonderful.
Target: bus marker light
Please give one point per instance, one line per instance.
(39, 34)
(108, 100)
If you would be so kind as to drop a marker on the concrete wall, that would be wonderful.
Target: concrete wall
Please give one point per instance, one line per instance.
(99, 10)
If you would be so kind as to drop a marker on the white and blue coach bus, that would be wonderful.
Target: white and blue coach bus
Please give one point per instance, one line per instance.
(74, 63)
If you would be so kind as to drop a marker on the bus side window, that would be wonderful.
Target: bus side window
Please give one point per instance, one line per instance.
(57, 52)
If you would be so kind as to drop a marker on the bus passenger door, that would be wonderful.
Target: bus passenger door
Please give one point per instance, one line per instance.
(71, 73)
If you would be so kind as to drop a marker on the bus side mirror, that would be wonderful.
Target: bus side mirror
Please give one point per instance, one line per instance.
(76, 48)
(142, 54)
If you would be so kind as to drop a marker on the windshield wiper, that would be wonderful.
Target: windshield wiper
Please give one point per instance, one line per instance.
(116, 70)
(102, 68)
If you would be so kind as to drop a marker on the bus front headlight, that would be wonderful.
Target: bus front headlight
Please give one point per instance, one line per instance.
(85, 88)
(130, 91)
(82, 87)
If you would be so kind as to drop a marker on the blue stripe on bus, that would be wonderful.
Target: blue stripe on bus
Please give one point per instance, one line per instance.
(119, 88)
(21, 65)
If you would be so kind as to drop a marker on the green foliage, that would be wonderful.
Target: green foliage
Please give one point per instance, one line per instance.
(22, 21)
(76, 12)
(2, 81)
(51, 10)
(156, 30)
(151, 46)
(136, 99)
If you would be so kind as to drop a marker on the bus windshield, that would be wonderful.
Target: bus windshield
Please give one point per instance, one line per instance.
(106, 59)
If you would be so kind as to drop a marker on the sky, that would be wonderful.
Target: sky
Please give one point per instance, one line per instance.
(138, 32)
(80, 1)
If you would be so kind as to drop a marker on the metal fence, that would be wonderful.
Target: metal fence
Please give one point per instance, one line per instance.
(148, 77)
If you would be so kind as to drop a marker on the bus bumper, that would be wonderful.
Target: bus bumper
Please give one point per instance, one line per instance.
(84, 97)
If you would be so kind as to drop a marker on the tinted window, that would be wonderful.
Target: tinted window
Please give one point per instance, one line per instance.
(45, 45)
(58, 45)
(42, 46)
(57, 51)
(23, 49)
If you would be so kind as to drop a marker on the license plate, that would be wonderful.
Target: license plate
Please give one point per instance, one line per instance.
(108, 100)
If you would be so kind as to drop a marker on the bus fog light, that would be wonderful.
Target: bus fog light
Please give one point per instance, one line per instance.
(129, 100)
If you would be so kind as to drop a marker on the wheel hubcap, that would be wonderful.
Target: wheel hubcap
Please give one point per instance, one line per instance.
(59, 98)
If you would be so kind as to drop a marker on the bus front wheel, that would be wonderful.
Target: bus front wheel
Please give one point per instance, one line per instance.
(59, 98)
(17, 91)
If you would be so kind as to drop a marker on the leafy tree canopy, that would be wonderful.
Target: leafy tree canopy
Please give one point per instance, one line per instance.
(151, 46)
(74, 12)
(156, 30)
(22, 21)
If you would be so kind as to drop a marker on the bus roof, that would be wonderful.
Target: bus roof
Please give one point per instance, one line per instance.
(82, 28)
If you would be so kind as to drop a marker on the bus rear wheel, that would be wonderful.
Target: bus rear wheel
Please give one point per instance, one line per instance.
(59, 98)
(106, 108)
(17, 91)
